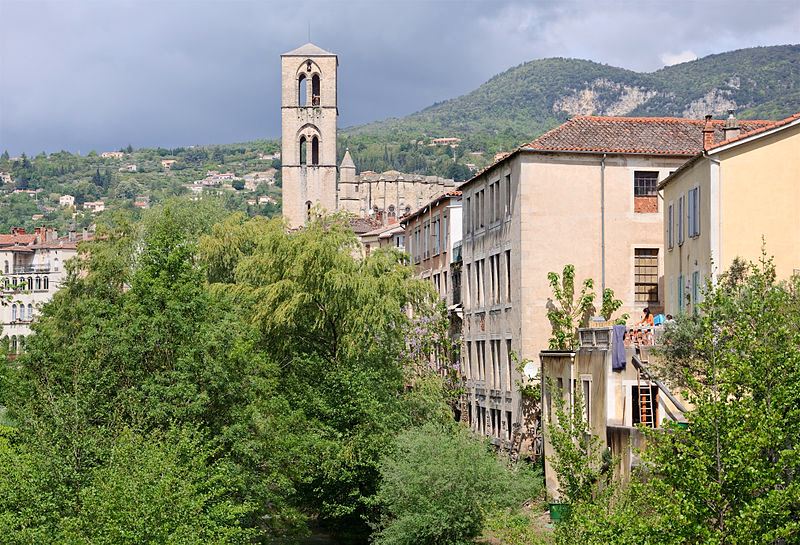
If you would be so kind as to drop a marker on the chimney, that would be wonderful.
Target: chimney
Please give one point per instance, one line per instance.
(708, 134)
(731, 128)
(85, 234)
(71, 235)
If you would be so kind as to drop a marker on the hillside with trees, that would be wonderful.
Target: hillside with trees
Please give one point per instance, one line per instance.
(519, 104)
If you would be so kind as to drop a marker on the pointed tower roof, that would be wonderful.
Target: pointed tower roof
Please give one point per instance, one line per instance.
(347, 160)
(309, 50)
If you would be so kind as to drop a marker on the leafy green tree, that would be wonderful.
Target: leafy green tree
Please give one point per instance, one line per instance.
(580, 461)
(438, 483)
(566, 313)
(238, 185)
(731, 475)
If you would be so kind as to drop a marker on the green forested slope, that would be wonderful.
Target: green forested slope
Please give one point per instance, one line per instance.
(522, 102)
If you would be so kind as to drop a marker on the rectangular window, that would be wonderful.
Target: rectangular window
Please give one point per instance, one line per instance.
(478, 283)
(492, 201)
(645, 196)
(508, 276)
(586, 384)
(493, 268)
(509, 364)
(679, 293)
(646, 275)
(482, 211)
(445, 234)
(436, 234)
(694, 212)
(467, 209)
(482, 355)
(695, 290)
(680, 220)
(508, 195)
(495, 364)
(467, 284)
(670, 227)
(470, 374)
(508, 425)
(444, 281)
(426, 249)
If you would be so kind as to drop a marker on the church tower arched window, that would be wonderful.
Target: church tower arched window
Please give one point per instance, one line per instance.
(302, 90)
(315, 90)
(303, 151)
(315, 151)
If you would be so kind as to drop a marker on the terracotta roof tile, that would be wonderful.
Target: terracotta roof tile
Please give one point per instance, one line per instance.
(635, 135)
(764, 128)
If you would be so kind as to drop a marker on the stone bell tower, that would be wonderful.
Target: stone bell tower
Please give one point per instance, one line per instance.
(308, 146)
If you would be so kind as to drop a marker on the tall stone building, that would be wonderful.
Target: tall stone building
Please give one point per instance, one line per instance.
(308, 119)
(309, 112)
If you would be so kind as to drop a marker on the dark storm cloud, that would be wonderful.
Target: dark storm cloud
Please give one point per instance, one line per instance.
(85, 75)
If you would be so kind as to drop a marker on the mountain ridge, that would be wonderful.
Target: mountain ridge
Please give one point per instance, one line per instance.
(524, 101)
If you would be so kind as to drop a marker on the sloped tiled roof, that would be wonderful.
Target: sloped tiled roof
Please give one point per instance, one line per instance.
(13, 239)
(762, 129)
(309, 50)
(364, 225)
(766, 128)
(669, 136)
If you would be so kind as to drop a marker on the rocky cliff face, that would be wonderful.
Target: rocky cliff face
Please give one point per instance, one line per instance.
(521, 103)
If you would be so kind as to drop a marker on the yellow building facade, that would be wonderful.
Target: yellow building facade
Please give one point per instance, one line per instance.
(730, 201)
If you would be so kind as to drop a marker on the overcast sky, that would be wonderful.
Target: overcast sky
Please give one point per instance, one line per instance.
(83, 75)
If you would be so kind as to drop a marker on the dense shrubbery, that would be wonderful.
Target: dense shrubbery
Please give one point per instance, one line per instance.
(439, 483)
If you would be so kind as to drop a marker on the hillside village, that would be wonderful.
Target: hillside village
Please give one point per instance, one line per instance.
(557, 265)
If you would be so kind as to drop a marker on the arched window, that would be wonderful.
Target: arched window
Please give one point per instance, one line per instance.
(302, 90)
(46, 283)
(392, 214)
(408, 210)
(308, 210)
(315, 96)
(303, 151)
(315, 151)
(30, 312)
(14, 282)
(38, 283)
(13, 344)
(29, 285)
(14, 312)
(6, 283)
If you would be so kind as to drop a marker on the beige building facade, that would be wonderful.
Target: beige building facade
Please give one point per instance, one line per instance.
(431, 233)
(616, 398)
(33, 268)
(730, 200)
(584, 194)
(311, 176)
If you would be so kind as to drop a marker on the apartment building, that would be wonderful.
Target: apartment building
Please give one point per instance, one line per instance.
(430, 234)
(584, 193)
(728, 201)
(32, 271)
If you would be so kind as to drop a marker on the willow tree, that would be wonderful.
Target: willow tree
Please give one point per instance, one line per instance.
(337, 326)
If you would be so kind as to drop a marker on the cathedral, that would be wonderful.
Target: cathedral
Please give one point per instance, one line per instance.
(311, 173)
